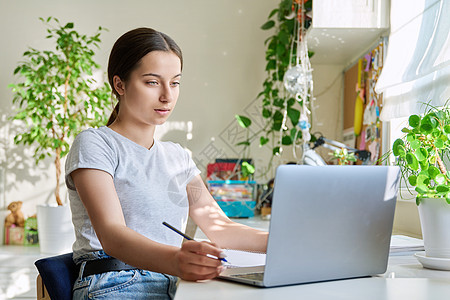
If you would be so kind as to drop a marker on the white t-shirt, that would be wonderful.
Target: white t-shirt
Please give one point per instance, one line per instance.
(150, 184)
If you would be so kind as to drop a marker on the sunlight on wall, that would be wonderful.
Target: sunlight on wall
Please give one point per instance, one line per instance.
(175, 126)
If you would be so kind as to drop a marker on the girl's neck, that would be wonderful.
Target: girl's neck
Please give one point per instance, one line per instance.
(141, 135)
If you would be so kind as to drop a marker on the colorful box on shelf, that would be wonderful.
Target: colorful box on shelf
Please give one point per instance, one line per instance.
(235, 197)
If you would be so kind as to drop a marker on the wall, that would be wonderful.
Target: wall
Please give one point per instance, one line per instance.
(328, 105)
(223, 49)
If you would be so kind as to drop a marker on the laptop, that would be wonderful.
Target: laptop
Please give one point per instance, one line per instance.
(327, 223)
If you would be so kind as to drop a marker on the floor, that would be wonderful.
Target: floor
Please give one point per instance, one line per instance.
(17, 271)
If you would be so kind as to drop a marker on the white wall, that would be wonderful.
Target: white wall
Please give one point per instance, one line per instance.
(224, 65)
(328, 113)
(223, 49)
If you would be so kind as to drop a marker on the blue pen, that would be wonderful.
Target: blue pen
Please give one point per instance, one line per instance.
(184, 235)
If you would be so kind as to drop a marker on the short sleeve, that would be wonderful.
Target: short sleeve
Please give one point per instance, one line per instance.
(191, 170)
(90, 150)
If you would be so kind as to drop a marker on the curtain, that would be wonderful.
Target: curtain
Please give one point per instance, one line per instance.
(417, 66)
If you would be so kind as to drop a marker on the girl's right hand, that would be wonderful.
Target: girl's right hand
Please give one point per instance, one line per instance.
(193, 263)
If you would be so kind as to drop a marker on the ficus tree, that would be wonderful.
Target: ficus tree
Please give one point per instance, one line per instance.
(57, 95)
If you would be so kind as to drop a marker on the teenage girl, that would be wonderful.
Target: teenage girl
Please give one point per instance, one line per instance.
(123, 183)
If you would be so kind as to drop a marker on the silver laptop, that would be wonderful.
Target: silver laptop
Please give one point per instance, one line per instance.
(327, 223)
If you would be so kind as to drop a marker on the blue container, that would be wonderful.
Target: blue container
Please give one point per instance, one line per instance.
(238, 209)
(235, 197)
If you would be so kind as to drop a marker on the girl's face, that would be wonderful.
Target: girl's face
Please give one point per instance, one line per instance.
(150, 94)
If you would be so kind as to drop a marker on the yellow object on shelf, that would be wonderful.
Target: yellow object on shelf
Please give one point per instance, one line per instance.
(357, 123)
(359, 102)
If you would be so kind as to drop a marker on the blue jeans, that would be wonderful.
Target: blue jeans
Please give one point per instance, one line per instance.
(132, 284)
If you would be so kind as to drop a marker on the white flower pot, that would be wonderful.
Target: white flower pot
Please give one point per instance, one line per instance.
(435, 222)
(55, 229)
(3, 214)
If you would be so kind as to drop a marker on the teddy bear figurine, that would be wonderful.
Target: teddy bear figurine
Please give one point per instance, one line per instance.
(16, 216)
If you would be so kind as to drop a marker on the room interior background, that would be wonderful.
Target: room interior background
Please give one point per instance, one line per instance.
(224, 67)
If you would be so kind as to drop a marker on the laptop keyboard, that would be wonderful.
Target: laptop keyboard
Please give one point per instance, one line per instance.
(252, 276)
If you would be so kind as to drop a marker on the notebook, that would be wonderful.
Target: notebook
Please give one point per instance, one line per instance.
(327, 223)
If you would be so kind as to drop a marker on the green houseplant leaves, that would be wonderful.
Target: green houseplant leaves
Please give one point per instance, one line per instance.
(421, 153)
(58, 96)
(277, 104)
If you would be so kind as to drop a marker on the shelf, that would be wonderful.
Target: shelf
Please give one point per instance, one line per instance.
(341, 46)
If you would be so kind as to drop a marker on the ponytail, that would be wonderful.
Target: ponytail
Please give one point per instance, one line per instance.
(113, 115)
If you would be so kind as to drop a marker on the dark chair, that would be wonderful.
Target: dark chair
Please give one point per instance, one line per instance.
(58, 275)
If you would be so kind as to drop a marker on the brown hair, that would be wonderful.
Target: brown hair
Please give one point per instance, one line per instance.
(128, 51)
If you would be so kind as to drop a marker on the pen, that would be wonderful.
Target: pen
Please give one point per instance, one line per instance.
(186, 236)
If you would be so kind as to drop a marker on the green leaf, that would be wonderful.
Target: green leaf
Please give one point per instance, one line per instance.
(418, 200)
(269, 24)
(426, 128)
(276, 150)
(243, 121)
(263, 141)
(412, 180)
(245, 143)
(396, 146)
(272, 13)
(247, 169)
(415, 144)
(421, 154)
(447, 129)
(424, 165)
(447, 198)
(422, 189)
(286, 140)
(423, 179)
(281, 49)
(430, 119)
(278, 116)
(442, 189)
(271, 65)
(266, 113)
(278, 102)
(410, 137)
(414, 121)
(406, 130)
(440, 179)
(439, 143)
(283, 36)
(294, 115)
(433, 172)
(296, 134)
(412, 161)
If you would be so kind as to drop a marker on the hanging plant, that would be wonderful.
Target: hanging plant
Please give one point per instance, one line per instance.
(281, 109)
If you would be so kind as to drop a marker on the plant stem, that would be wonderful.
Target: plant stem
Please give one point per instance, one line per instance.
(58, 174)
(440, 163)
(66, 89)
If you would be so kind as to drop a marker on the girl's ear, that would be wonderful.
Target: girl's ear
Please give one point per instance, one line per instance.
(118, 85)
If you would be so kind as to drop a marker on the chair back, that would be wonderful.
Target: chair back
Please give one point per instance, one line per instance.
(58, 275)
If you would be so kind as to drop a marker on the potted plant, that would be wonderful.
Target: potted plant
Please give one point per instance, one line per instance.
(421, 154)
(57, 98)
(343, 157)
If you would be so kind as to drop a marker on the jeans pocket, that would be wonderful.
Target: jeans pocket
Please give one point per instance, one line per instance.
(80, 288)
(106, 285)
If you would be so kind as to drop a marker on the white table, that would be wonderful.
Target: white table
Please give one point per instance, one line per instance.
(405, 279)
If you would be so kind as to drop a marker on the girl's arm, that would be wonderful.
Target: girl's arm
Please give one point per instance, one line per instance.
(97, 192)
(207, 214)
